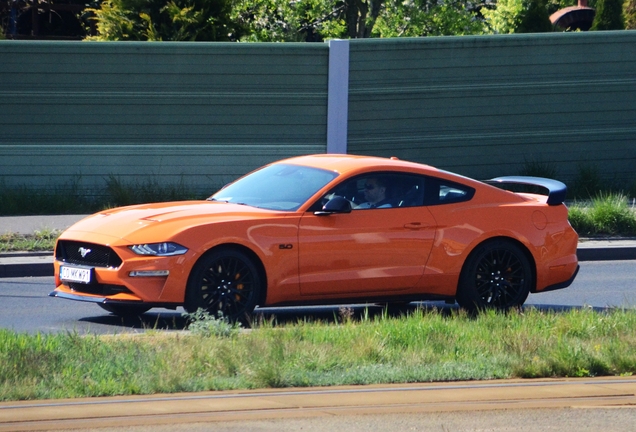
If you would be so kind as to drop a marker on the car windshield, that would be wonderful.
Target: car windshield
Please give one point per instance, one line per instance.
(276, 187)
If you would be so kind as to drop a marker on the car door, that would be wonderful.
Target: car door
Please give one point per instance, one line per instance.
(369, 250)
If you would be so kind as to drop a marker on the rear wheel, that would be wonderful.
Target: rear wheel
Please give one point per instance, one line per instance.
(124, 310)
(224, 282)
(497, 274)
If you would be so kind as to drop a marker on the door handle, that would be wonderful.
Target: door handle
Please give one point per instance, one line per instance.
(414, 225)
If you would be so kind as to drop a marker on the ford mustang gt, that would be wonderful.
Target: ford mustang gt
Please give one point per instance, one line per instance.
(325, 229)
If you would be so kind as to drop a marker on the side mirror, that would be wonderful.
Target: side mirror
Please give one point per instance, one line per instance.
(336, 204)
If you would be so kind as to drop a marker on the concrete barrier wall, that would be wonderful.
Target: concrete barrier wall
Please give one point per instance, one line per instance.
(204, 113)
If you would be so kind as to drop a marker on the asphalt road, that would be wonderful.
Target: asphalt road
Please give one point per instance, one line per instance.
(601, 404)
(26, 307)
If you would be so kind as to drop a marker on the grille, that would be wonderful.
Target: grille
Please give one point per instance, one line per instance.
(98, 289)
(99, 255)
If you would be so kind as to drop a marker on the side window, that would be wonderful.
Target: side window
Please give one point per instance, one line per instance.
(379, 190)
(446, 192)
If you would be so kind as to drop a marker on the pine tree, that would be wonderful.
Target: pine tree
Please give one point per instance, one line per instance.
(609, 15)
(535, 18)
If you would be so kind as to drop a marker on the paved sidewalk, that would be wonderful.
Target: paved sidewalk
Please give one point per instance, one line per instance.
(31, 224)
(25, 264)
(213, 409)
(609, 249)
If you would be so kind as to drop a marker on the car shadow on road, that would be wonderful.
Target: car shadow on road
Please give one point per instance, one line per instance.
(151, 320)
(565, 308)
(176, 321)
(340, 313)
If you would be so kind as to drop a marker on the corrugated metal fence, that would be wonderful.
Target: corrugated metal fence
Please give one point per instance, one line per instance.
(205, 113)
(201, 114)
(487, 106)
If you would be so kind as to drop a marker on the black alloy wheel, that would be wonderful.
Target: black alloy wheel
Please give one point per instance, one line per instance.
(497, 274)
(124, 310)
(224, 283)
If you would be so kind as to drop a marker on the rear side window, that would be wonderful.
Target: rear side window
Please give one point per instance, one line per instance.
(440, 191)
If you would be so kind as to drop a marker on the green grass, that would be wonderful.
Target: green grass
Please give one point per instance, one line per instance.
(43, 240)
(120, 193)
(71, 198)
(422, 347)
(606, 214)
(65, 199)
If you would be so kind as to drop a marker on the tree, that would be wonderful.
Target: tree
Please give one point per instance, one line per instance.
(535, 18)
(164, 20)
(629, 13)
(506, 16)
(290, 21)
(428, 18)
(609, 15)
(307, 20)
(518, 16)
(316, 20)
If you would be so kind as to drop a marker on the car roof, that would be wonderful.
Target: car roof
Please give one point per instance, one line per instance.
(350, 165)
(345, 163)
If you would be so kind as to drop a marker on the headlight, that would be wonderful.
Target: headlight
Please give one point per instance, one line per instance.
(159, 249)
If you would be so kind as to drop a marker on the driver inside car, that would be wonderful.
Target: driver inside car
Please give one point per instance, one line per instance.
(375, 194)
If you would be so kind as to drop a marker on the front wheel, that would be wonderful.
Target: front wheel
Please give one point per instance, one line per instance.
(497, 274)
(225, 282)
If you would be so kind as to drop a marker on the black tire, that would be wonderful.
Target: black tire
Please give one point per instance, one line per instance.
(124, 310)
(496, 275)
(225, 281)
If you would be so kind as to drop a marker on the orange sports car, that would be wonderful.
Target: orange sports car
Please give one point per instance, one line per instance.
(325, 229)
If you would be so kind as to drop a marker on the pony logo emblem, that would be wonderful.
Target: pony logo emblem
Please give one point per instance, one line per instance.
(83, 252)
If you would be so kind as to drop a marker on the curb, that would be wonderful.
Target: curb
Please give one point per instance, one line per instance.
(606, 254)
(25, 270)
(39, 264)
(26, 264)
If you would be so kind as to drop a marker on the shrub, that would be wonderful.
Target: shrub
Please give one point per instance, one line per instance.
(612, 215)
(537, 168)
(609, 15)
(609, 214)
(204, 324)
(581, 221)
(587, 182)
(163, 20)
(535, 18)
(629, 13)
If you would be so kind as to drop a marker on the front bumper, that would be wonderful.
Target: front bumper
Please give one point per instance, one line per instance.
(126, 282)
(65, 292)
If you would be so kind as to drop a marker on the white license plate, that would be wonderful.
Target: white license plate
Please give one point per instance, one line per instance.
(76, 274)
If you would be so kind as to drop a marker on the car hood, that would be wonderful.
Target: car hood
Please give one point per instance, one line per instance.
(126, 222)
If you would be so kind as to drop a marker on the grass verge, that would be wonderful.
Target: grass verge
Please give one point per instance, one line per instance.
(606, 214)
(422, 347)
(43, 240)
(72, 198)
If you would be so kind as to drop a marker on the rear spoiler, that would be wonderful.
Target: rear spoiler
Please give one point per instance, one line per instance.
(556, 189)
